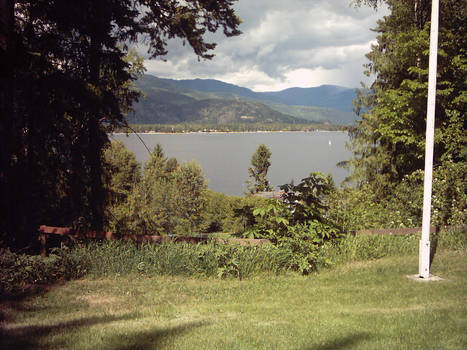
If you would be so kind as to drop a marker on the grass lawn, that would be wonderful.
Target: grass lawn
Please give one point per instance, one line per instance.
(367, 305)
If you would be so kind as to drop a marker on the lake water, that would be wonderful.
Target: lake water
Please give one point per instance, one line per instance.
(225, 157)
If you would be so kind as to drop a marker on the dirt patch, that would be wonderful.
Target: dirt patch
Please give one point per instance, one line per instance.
(93, 299)
(391, 310)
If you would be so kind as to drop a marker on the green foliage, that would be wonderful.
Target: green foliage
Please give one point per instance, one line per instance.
(259, 170)
(368, 247)
(449, 200)
(218, 213)
(66, 80)
(352, 248)
(297, 223)
(123, 173)
(354, 209)
(169, 199)
(219, 260)
(20, 272)
(307, 198)
(389, 140)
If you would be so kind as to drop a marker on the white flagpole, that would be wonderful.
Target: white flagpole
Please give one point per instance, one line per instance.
(424, 248)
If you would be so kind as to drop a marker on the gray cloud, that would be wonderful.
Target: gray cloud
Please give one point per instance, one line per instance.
(284, 44)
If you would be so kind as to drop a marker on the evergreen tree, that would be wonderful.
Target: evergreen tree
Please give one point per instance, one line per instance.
(122, 170)
(259, 170)
(389, 140)
(169, 199)
(65, 83)
(190, 197)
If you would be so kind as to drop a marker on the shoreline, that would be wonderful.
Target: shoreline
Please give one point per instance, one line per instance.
(223, 132)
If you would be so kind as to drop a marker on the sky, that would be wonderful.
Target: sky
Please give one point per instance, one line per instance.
(285, 43)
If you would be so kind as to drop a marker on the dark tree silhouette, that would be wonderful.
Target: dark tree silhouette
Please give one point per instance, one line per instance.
(65, 83)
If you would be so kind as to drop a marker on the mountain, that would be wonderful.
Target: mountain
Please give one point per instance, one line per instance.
(169, 103)
(215, 86)
(211, 101)
(328, 96)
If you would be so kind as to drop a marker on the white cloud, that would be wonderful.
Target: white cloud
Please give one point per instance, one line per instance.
(284, 44)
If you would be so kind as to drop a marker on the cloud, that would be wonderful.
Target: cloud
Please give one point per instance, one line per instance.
(284, 44)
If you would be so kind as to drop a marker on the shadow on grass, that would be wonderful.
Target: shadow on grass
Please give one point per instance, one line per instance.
(341, 343)
(14, 301)
(29, 337)
(434, 244)
(151, 339)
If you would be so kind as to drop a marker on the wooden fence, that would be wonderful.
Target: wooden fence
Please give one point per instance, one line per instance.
(409, 231)
(44, 231)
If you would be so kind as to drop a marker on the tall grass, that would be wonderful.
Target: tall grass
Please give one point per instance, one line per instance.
(212, 259)
(184, 259)
(369, 247)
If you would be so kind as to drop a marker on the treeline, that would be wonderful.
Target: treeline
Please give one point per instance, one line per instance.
(165, 197)
(388, 142)
(237, 127)
(168, 198)
(66, 82)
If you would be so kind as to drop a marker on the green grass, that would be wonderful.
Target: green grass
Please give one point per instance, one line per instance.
(359, 305)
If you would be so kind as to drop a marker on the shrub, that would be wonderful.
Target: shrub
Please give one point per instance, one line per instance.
(355, 209)
(298, 223)
(19, 271)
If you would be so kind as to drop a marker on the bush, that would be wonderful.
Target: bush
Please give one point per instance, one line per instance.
(368, 247)
(298, 223)
(355, 209)
(20, 271)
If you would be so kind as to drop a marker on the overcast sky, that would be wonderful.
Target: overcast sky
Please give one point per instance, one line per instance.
(285, 43)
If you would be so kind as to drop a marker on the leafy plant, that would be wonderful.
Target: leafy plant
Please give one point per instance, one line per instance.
(298, 223)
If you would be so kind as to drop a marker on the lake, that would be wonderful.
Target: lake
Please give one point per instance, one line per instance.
(225, 157)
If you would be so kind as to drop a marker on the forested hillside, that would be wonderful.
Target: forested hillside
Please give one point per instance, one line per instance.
(211, 101)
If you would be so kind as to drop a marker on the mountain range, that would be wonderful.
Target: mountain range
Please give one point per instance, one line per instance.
(209, 101)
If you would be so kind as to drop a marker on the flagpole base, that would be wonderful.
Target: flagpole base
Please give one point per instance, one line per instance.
(432, 278)
(424, 259)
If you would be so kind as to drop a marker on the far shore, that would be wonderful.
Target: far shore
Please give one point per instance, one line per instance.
(224, 132)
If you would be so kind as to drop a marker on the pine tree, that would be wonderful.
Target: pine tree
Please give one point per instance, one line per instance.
(389, 140)
(259, 170)
(65, 83)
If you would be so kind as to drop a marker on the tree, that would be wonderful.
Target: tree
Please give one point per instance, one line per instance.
(123, 172)
(190, 197)
(388, 141)
(169, 198)
(259, 170)
(65, 83)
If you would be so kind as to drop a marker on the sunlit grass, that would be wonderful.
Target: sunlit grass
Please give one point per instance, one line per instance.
(363, 305)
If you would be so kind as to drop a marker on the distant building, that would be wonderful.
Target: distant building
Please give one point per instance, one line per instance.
(271, 195)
